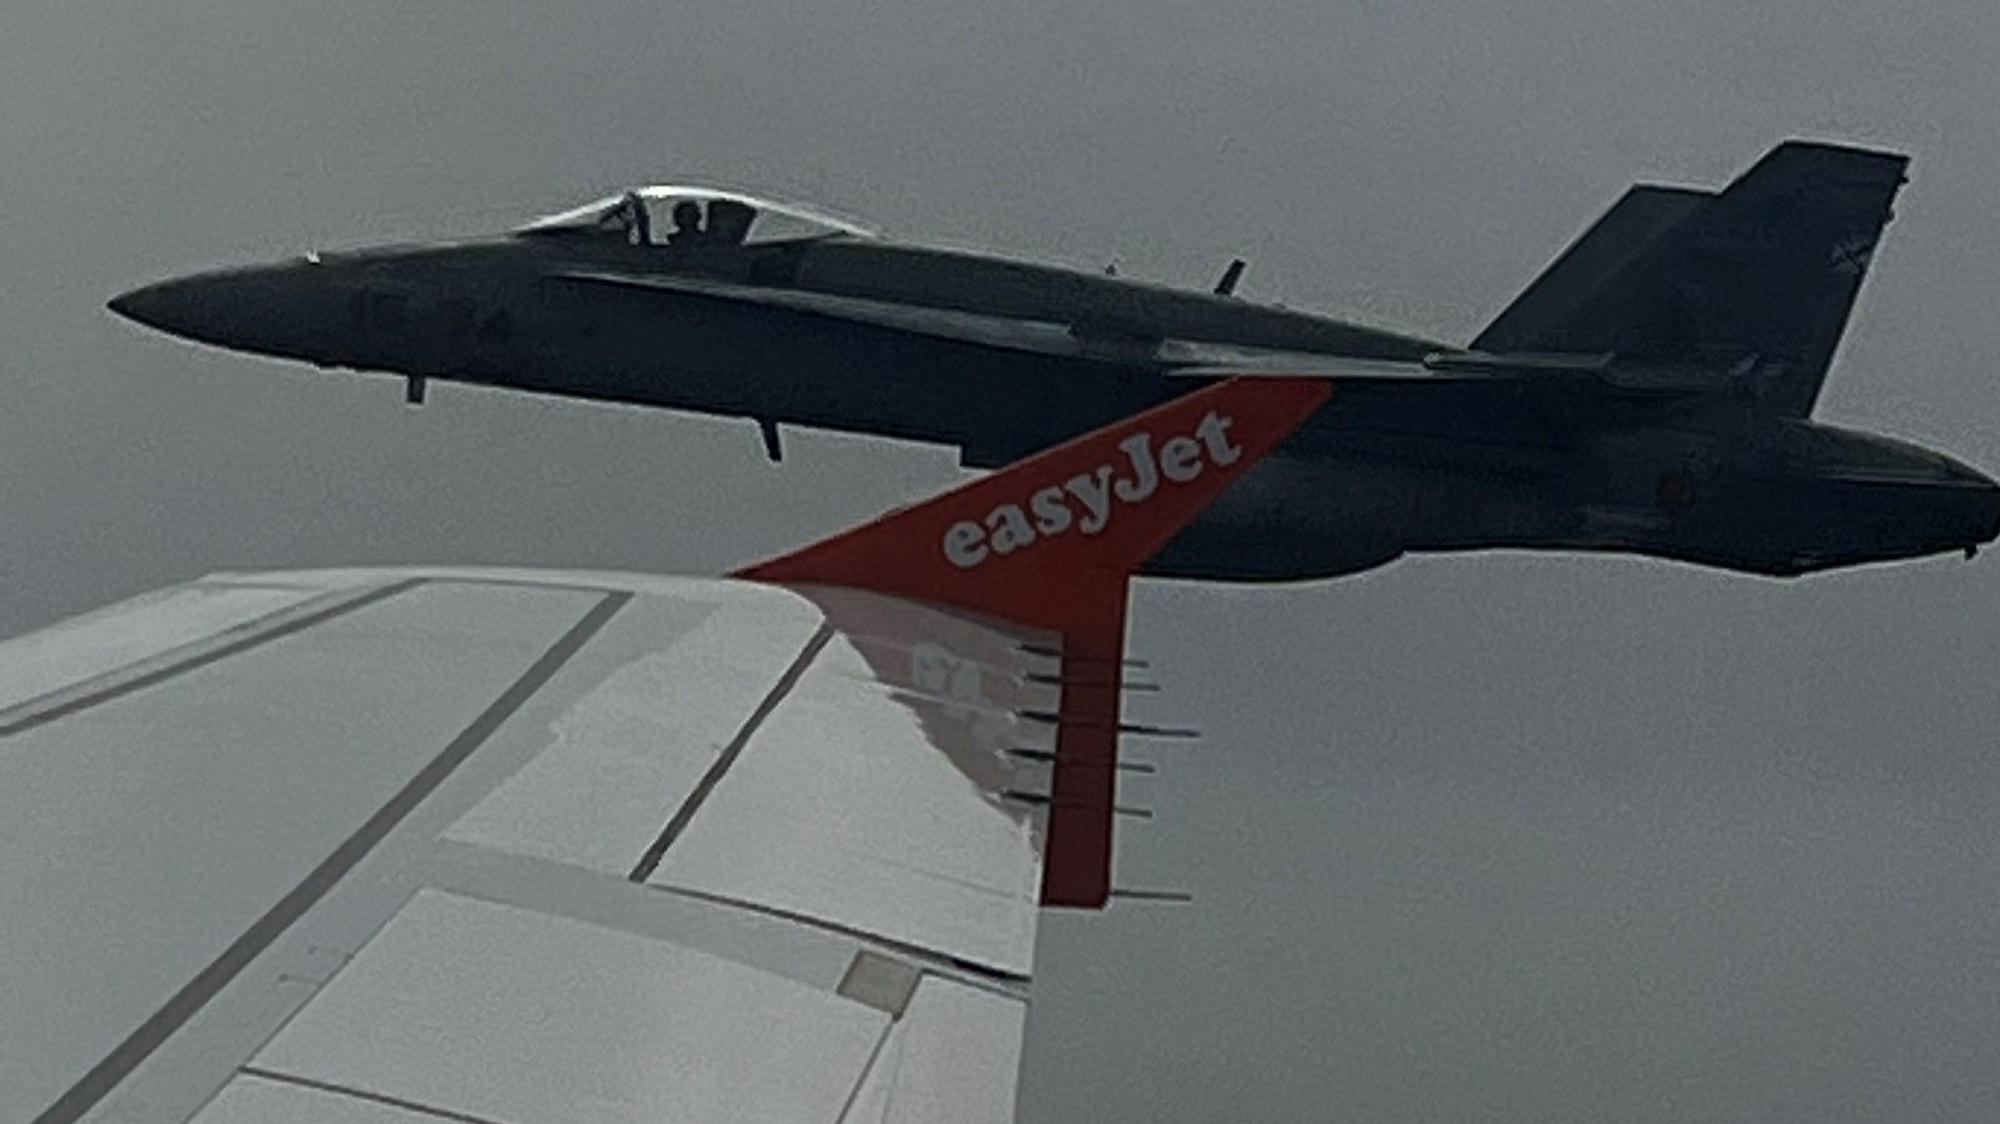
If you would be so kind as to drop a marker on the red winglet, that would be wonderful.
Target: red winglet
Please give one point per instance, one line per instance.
(1049, 542)
(1014, 543)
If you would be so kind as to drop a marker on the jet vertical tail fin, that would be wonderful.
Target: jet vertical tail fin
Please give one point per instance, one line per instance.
(1759, 277)
(1545, 308)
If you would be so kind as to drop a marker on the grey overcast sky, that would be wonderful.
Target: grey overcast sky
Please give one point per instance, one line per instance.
(1498, 837)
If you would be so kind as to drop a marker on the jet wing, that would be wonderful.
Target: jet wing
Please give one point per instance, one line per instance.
(377, 846)
(1043, 337)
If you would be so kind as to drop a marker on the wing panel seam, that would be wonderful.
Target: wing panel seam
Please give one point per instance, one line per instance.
(868, 1067)
(353, 1093)
(972, 973)
(42, 716)
(650, 861)
(127, 1056)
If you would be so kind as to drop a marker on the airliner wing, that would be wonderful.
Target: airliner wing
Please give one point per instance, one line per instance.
(510, 847)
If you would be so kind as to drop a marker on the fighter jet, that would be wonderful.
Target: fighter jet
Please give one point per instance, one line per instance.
(1651, 392)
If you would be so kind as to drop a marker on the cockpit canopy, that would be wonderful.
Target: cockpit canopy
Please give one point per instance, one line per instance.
(694, 218)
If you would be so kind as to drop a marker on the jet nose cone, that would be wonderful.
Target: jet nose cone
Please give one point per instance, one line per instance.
(276, 309)
(208, 307)
(165, 306)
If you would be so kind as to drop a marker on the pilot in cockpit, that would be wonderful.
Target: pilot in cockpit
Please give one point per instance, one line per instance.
(687, 229)
(631, 217)
(692, 219)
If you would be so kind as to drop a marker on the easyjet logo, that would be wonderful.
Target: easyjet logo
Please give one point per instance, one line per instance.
(1085, 502)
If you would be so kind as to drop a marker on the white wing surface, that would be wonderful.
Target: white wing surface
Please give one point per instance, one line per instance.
(514, 847)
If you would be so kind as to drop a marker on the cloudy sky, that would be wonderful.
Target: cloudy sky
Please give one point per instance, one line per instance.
(1497, 837)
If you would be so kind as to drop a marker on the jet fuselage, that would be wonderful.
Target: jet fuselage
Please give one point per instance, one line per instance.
(1389, 466)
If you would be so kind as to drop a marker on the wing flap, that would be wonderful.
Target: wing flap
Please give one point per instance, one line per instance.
(493, 1012)
(920, 1076)
(866, 802)
(619, 764)
(257, 1099)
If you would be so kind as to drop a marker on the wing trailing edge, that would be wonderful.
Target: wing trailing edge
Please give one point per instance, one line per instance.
(1050, 542)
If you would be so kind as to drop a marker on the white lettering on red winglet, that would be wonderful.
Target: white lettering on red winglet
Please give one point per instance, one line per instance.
(1085, 502)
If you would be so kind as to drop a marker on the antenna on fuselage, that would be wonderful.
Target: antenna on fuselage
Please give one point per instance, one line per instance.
(1230, 276)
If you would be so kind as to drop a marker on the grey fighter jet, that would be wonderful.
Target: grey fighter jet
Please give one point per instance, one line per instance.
(1651, 392)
